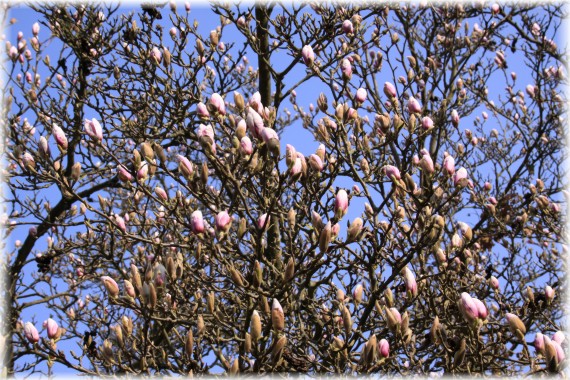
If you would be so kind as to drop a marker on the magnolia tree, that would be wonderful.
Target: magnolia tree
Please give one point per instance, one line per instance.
(166, 218)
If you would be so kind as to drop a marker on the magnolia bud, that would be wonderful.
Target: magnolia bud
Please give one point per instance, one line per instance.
(255, 326)
(277, 316)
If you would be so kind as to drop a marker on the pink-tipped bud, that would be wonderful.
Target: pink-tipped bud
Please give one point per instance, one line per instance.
(263, 221)
(427, 123)
(308, 55)
(197, 222)
(223, 221)
(316, 163)
(254, 123)
(455, 118)
(111, 286)
(31, 333)
(460, 177)
(161, 193)
(558, 337)
(202, 111)
(357, 293)
(124, 174)
(347, 27)
(120, 222)
(530, 90)
(414, 106)
(270, 138)
(410, 282)
(389, 90)
(52, 328)
(449, 165)
(173, 32)
(392, 172)
(361, 95)
(549, 293)
(426, 163)
(156, 55)
(495, 8)
(468, 307)
(483, 313)
(142, 172)
(245, 145)
(384, 348)
(341, 204)
(60, 137)
(277, 316)
(539, 343)
(94, 130)
(185, 167)
(36, 29)
(494, 282)
(515, 323)
(217, 103)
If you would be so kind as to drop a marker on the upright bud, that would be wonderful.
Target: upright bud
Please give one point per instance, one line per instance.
(308, 55)
(277, 316)
(341, 204)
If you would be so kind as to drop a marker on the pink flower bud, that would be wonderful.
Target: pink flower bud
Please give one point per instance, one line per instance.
(495, 8)
(384, 348)
(414, 105)
(468, 307)
(346, 69)
(185, 166)
(361, 95)
(270, 138)
(549, 293)
(28, 160)
(111, 286)
(455, 118)
(277, 316)
(530, 90)
(36, 29)
(560, 356)
(481, 308)
(156, 55)
(202, 111)
(246, 146)
(558, 337)
(94, 129)
(410, 282)
(357, 293)
(51, 327)
(197, 222)
(223, 221)
(389, 90)
(539, 343)
(427, 123)
(161, 193)
(13, 53)
(218, 103)
(142, 172)
(254, 123)
(535, 29)
(263, 221)
(316, 163)
(426, 163)
(308, 55)
(392, 172)
(460, 177)
(31, 333)
(347, 27)
(341, 204)
(515, 323)
(43, 147)
(396, 314)
(494, 282)
(59, 136)
(241, 22)
(449, 165)
(173, 32)
(120, 223)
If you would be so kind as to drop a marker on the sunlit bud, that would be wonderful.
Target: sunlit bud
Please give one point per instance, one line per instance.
(316, 220)
(460, 177)
(173, 32)
(494, 282)
(341, 204)
(254, 123)
(449, 165)
(535, 29)
(94, 129)
(308, 55)
(316, 163)
(468, 307)
(530, 90)
(346, 69)
(263, 221)
(59, 136)
(354, 230)
(255, 326)
(217, 103)
(75, 171)
(395, 37)
(277, 316)
(392, 172)
(277, 350)
(206, 133)
(384, 348)
(129, 289)
(495, 8)
(325, 238)
(197, 222)
(455, 118)
(120, 223)
(347, 27)
(427, 123)
(487, 186)
(31, 333)
(142, 172)
(187, 6)
(389, 90)
(414, 105)
(246, 147)
(515, 324)
(426, 163)
(560, 355)
(36, 29)
(241, 22)
(357, 293)
(124, 174)
(410, 281)
(393, 319)
(111, 286)
(558, 337)
(52, 328)
(481, 308)
(549, 293)
(539, 343)
(156, 55)
(202, 111)
(185, 167)
(223, 221)
(361, 95)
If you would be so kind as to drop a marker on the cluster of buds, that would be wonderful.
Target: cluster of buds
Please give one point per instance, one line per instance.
(551, 348)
